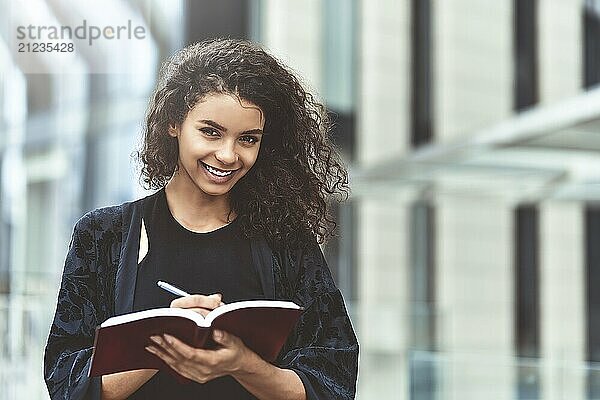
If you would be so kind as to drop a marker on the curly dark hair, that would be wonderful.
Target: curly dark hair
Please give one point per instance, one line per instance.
(286, 194)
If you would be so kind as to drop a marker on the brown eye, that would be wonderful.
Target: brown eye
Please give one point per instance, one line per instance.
(249, 139)
(210, 131)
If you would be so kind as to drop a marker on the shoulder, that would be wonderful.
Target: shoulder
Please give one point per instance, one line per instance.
(314, 268)
(307, 267)
(101, 218)
(111, 218)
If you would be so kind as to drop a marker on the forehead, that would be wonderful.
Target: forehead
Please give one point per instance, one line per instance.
(228, 109)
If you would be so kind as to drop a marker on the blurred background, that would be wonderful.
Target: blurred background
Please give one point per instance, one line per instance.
(469, 251)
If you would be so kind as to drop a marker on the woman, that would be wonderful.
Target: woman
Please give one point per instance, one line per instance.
(238, 151)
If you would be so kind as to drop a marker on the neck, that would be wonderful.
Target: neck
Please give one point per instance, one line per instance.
(196, 210)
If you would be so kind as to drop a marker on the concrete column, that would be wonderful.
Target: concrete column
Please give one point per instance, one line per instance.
(384, 69)
(473, 65)
(292, 31)
(562, 292)
(560, 48)
(475, 298)
(383, 323)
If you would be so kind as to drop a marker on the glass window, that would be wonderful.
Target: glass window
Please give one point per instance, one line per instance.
(525, 45)
(527, 307)
(421, 91)
(591, 44)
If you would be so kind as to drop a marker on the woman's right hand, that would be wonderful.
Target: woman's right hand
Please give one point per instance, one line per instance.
(198, 302)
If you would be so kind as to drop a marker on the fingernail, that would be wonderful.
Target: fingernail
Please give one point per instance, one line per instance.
(168, 338)
(218, 334)
(156, 339)
(149, 349)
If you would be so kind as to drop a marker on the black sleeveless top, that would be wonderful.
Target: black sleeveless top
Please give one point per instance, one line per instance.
(219, 261)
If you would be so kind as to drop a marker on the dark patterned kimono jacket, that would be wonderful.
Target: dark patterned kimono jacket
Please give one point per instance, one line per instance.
(98, 282)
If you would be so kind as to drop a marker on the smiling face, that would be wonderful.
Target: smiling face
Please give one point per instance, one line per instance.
(218, 143)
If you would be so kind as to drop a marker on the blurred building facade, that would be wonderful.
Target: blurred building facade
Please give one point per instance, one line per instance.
(467, 254)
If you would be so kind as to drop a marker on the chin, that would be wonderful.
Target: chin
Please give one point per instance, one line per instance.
(216, 192)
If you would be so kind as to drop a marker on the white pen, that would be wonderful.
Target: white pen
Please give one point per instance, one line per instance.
(172, 289)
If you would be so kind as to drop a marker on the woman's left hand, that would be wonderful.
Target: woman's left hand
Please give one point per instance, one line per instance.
(202, 365)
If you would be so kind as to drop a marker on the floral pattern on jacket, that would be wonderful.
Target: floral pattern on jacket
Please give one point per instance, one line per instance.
(322, 350)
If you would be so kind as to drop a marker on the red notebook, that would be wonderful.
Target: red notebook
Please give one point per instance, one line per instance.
(120, 342)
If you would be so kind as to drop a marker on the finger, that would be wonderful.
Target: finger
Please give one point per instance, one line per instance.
(172, 362)
(223, 338)
(160, 343)
(179, 349)
(166, 346)
(202, 311)
(162, 354)
(198, 301)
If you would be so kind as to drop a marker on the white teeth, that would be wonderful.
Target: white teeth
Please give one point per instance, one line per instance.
(214, 171)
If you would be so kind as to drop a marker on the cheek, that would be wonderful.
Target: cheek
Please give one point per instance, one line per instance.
(249, 157)
(194, 149)
(253, 160)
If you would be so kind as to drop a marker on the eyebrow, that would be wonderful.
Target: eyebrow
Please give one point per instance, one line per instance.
(212, 123)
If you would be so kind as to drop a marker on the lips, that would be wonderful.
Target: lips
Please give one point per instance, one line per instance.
(218, 174)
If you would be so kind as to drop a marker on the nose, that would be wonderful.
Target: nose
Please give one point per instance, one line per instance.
(227, 154)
